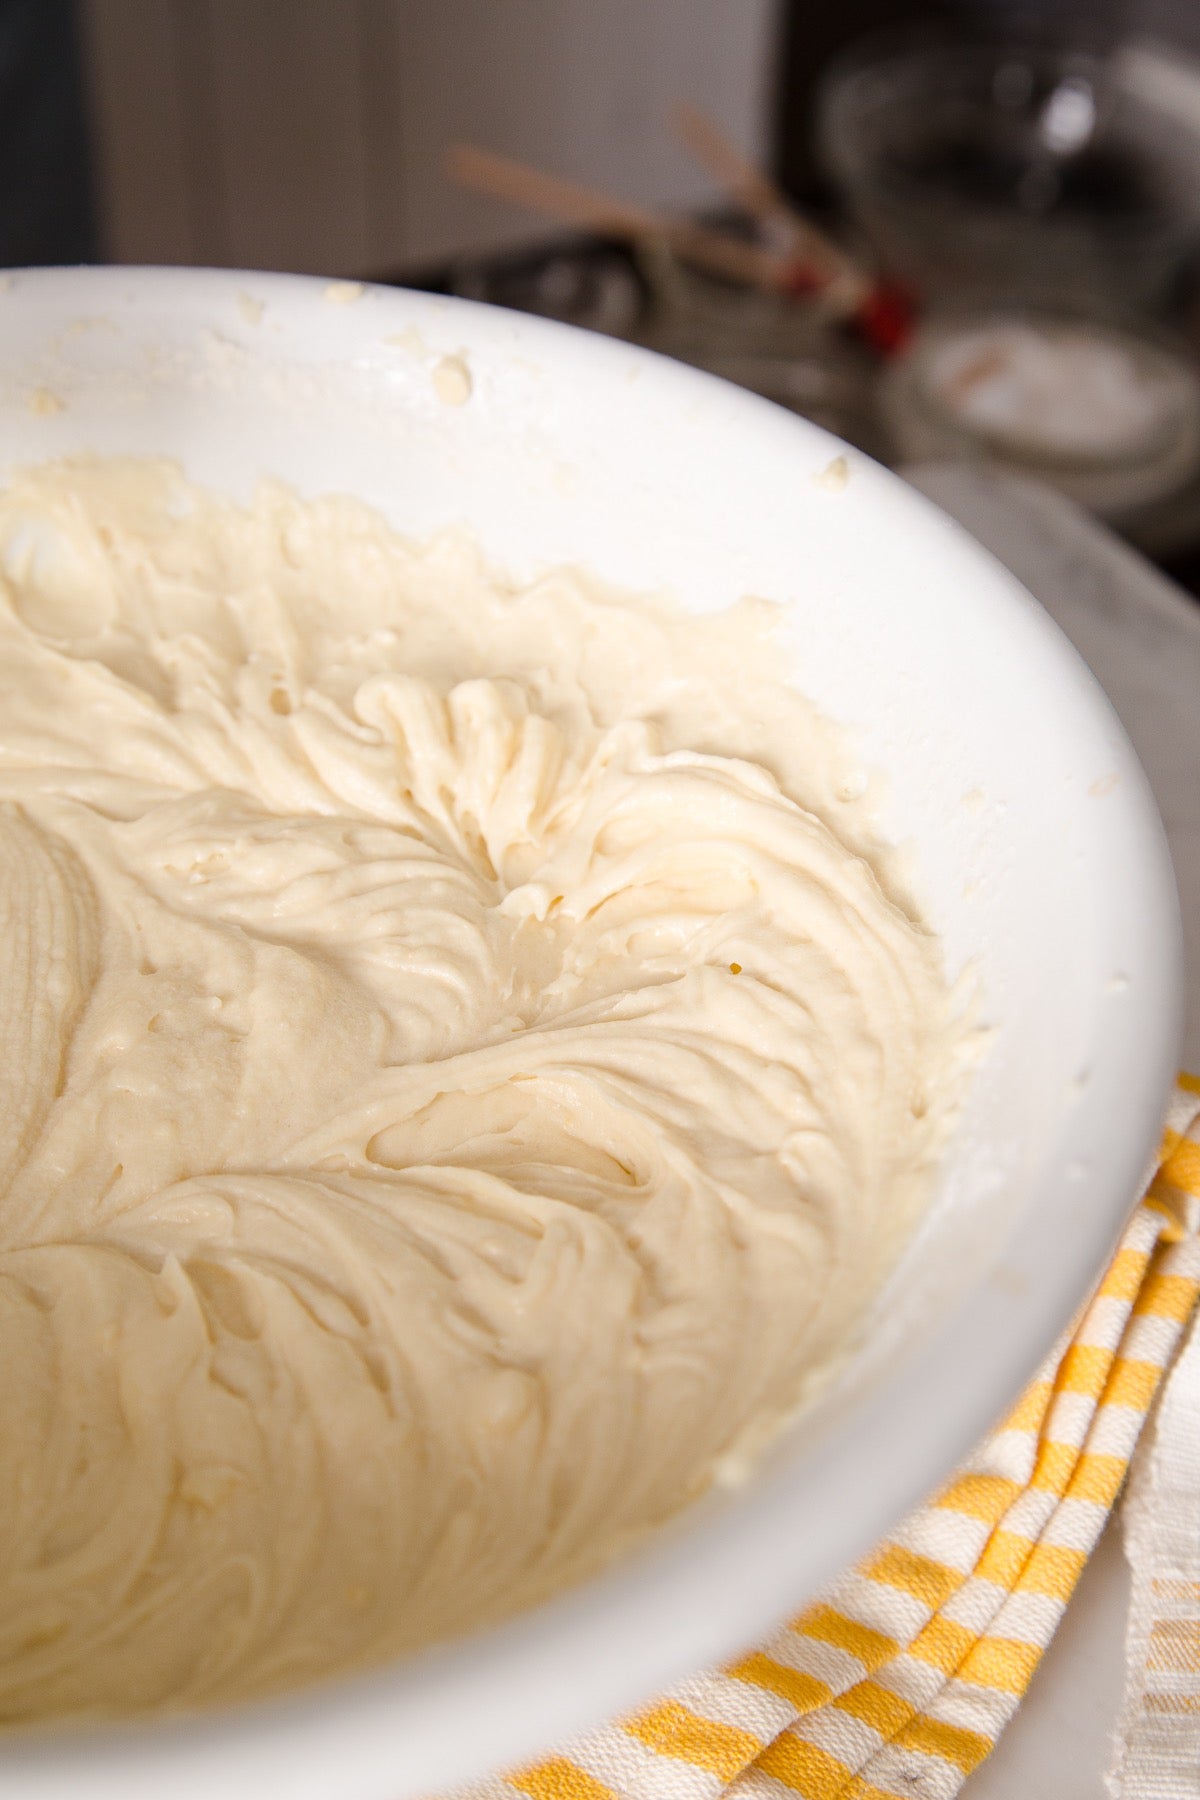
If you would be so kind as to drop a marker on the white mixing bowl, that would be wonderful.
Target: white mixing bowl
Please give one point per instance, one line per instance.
(1038, 853)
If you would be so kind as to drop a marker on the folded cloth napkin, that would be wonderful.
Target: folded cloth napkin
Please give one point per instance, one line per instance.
(897, 1682)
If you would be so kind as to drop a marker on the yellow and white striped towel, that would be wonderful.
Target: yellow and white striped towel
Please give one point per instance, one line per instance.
(899, 1680)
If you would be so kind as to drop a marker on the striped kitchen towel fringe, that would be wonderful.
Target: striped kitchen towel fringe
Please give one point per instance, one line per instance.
(899, 1680)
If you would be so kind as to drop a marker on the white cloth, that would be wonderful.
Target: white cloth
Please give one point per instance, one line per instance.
(1156, 1748)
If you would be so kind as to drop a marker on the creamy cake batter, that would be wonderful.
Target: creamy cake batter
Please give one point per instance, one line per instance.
(464, 1066)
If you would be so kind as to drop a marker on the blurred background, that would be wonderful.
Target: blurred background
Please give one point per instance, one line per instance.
(969, 228)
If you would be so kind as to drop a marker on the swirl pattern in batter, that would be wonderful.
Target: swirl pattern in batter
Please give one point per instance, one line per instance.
(464, 1067)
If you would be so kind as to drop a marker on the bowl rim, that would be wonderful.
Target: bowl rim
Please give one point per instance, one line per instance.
(426, 1723)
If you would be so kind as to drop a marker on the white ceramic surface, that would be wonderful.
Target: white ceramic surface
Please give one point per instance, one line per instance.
(1140, 636)
(1035, 842)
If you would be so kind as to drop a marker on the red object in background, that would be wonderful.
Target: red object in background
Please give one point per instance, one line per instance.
(886, 318)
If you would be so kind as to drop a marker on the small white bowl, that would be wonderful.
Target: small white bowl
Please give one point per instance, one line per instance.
(1039, 857)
